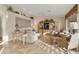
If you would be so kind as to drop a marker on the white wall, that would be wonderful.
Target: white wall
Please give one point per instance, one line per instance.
(59, 23)
(6, 23)
(4, 19)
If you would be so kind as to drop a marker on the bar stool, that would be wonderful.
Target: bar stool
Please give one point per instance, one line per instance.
(24, 39)
(16, 36)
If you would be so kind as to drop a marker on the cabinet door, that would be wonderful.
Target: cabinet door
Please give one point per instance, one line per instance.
(23, 23)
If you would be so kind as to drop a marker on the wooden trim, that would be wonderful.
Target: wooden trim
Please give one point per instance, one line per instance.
(73, 10)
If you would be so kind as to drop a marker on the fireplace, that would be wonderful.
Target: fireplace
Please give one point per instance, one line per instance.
(46, 26)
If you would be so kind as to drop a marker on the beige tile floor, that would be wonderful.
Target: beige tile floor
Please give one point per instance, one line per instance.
(14, 48)
(34, 48)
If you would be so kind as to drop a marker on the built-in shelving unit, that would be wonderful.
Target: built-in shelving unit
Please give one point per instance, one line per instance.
(21, 20)
(46, 25)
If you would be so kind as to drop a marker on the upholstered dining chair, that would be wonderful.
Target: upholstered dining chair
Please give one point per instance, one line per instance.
(31, 37)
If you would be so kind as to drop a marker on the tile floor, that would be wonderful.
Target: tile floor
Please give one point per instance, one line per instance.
(14, 48)
(34, 48)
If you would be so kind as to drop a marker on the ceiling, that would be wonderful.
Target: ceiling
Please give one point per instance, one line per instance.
(49, 10)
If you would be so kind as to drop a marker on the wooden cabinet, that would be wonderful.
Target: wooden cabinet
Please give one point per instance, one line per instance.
(50, 24)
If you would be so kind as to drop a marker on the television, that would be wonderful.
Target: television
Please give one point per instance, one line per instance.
(46, 26)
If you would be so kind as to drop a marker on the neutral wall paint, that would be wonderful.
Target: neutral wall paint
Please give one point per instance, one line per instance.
(60, 23)
(3, 15)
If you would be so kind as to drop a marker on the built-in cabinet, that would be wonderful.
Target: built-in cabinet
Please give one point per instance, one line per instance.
(46, 26)
(15, 20)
